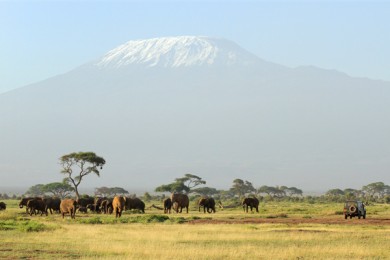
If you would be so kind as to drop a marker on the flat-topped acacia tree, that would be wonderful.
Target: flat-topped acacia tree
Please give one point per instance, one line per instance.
(78, 165)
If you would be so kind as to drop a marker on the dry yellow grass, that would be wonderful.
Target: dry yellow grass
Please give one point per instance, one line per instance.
(71, 239)
(186, 241)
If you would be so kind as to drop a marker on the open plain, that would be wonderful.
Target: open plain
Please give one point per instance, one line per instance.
(281, 230)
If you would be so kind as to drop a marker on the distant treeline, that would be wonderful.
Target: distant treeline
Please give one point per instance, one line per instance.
(189, 184)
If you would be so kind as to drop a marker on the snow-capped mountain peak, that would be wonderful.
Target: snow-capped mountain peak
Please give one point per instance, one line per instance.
(182, 51)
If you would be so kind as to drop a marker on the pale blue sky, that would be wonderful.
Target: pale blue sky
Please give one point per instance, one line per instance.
(40, 39)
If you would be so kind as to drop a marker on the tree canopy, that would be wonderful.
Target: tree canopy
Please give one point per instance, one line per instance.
(36, 190)
(110, 192)
(183, 185)
(78, 165)
(57, 189)
(240, 187)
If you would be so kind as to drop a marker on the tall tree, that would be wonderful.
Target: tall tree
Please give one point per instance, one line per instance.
(118, 190)
(375, 189)
(191, 181)
(273, 191)
(206, 191)
(335, 193)
(59, 189)
(184, 184)
(36, 190)
(78, 165)
(103, 191)
(240, 187)
(291, 191)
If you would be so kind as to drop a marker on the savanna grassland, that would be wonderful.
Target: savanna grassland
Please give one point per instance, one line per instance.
(281, 230)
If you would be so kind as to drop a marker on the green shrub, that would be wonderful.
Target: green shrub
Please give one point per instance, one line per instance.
(32, 226)
(23, 225)
(151, 219)
(179, 220)
(94, 220)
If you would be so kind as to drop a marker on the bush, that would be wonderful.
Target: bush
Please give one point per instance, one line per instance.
(25, 225)
(32, 226)
(94, 220)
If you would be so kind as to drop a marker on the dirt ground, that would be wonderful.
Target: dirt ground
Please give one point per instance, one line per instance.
(292, 221)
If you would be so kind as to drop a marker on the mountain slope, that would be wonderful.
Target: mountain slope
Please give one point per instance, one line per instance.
(184, 108)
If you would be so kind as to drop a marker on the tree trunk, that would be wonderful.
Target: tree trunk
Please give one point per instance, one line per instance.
(77, 193)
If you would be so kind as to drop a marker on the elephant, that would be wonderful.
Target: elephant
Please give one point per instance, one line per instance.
(250, 202)
(106, 206)
(167, 205)
(118, 204)
(36, 205)
(83, 202)
(3, 206)
(181, 201)
(135, 203)
(207, 204)
(90, 207)
(23, 202)
(68, 206)
(52, 204)
(98, 204)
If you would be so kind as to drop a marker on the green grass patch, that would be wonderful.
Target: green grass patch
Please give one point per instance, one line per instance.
(24, 225)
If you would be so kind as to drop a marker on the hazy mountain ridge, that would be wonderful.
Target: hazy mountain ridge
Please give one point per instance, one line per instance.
(262, 122)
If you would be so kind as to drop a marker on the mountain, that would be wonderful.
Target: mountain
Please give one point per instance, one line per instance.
(157, 109)
(173, 52)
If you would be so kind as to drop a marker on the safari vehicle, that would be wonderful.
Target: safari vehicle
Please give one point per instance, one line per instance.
(353, 208)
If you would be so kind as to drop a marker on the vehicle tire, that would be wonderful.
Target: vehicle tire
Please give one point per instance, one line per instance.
(359, 216)
(345, 216)
(364, 216)
(350, 216)
(352, 209)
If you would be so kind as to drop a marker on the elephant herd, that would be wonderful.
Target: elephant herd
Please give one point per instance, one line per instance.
(118, 204)
(179, 201)
(36, 205)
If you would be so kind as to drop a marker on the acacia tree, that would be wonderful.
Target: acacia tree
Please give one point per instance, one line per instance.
(184, 184)
(78, 165)
(291, 191)
(241, 187)
(273, 191)
(378, 189)
(36, 190)
(59, 189)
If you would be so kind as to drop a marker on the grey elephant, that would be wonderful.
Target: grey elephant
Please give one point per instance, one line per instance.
(181, 201)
